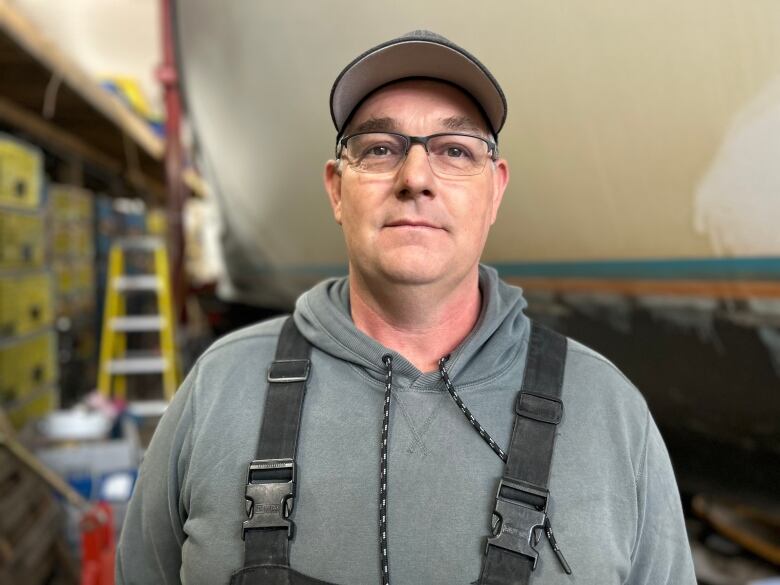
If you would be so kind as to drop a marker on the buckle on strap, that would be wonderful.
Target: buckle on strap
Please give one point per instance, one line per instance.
(284, 371)
(537, 407)
(270, 491)
(521, 510)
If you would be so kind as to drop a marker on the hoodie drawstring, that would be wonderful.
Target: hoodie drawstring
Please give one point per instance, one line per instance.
(466, 412)
(500, 452)
(387, 359)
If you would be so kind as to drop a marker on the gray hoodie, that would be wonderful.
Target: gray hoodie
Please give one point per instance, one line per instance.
(614, 503)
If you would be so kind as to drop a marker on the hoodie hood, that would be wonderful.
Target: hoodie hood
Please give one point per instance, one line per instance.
(323, 316)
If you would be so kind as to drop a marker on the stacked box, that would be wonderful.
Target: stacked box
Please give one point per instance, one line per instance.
(35, 408)
(72, 244)
(28, 345)
(75, 286)
(21, 174)
(28, 385)
(156, 222)
(71, 204)
(22, 240)
(26, 302)
(73, 249)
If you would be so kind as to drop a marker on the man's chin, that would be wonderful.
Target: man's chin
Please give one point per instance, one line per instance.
(416, 272)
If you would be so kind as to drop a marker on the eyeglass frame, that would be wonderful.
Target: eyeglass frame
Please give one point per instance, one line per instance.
(422, 140)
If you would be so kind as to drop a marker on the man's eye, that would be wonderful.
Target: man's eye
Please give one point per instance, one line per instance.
(457, 152)
(378, 150)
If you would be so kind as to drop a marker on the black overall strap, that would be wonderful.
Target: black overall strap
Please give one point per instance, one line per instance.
(270, 489)
(521, 501)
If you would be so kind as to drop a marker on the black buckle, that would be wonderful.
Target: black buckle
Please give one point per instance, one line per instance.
(537, 407)
(270, 491)
(521, 510)
(286, 371)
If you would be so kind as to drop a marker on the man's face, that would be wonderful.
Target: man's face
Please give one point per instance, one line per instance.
(410, 225)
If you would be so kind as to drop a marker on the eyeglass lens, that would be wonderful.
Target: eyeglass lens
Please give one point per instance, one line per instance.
(449, 154)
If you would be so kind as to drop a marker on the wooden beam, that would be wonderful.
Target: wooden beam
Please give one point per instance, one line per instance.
(67, 144)
(52, 135)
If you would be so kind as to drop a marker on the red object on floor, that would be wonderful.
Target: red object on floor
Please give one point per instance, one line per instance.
(97, 546)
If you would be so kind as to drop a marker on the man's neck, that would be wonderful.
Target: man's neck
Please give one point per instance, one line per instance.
(422, 323)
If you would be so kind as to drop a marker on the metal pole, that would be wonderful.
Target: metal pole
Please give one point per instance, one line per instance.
(174, 158)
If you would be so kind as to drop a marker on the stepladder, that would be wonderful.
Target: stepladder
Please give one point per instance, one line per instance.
(117, 359)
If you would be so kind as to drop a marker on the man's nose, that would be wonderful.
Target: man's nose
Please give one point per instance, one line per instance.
(415, 177)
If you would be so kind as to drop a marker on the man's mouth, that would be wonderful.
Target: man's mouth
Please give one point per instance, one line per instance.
(413, 223)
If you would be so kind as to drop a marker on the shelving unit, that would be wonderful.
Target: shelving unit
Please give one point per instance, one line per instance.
(50, 99)
(90, 139)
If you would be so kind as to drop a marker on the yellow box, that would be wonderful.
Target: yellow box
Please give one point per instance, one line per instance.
(84, 205)
(30, 363)
(36, 305)
(75, 286)
(37, 407)
(72, 240)
(60, 240)
(26, 303)
(156, 222)
(21, 171)
(84, 242)
(8, 376)
(84, 276)
(65, 279)
(71, 204)
(22, 240)
(7, 309)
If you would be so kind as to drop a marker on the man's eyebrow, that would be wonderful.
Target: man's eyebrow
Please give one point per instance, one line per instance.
(386, 124)
(376, 125)
(463, 124)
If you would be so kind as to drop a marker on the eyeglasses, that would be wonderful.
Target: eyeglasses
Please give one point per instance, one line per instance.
(450, 154)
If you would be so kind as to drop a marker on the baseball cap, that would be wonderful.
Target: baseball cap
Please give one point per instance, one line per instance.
(418, 54)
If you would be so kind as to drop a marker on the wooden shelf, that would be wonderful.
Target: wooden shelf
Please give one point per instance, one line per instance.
(48, 96)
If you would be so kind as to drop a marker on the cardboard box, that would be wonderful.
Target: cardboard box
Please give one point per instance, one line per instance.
(21, 174)
(26, 303)
(71, 204)
(34, 408)
(28, 364)
(22, 240)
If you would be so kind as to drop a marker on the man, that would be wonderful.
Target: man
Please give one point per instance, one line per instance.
(412, 459)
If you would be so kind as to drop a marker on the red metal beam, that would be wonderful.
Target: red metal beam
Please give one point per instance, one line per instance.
(174, 158)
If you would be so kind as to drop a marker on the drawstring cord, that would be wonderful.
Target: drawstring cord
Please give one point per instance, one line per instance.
(548, 530)
(466, 412)
(387, 360)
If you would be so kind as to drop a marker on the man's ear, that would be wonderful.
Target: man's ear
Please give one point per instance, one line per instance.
(500, 181)
(332, 179)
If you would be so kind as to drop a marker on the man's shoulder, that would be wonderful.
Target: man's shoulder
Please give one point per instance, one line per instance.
(246, 339)
(243, 350)
(232, 366)
(591, 377)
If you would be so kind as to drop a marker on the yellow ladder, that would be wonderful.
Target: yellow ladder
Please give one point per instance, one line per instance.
(115, 362)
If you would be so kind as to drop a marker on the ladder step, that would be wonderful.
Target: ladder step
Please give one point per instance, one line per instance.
(140, 243)
(138, 323)
(140, 282)
(138, 365)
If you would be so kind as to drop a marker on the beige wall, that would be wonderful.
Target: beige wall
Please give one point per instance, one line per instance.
(620, 113)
